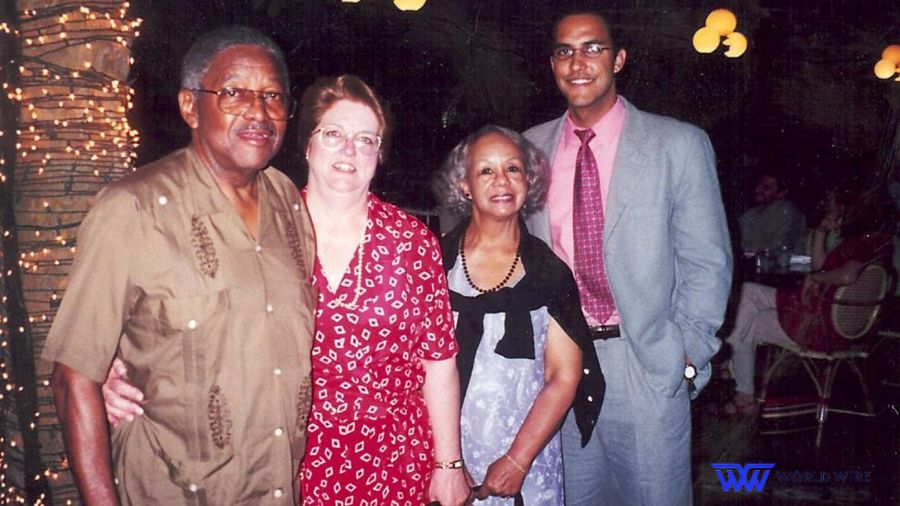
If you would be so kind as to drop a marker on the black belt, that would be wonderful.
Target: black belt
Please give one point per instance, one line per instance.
(604, 332)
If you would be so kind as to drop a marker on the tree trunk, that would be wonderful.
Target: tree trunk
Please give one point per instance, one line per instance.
(73, 138)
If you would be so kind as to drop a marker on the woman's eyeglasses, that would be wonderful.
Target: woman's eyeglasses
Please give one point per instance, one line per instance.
(333, 137)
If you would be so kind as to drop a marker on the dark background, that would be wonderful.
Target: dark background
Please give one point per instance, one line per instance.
(803, 99)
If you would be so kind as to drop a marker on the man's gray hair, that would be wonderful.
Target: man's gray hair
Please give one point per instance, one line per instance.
(446, 182)
(198, 58)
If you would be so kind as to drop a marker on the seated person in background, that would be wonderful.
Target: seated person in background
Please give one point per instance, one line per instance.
(774, 222)
(800, 318)
(829, 226)
(523, 340)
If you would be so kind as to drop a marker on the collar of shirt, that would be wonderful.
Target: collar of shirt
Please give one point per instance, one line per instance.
(206, 195)
(607, 130)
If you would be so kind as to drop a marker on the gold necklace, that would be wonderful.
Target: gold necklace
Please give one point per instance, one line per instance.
(352, 305)
(512, 269)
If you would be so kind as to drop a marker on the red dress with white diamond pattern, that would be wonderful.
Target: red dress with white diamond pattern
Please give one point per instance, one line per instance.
(369, 439)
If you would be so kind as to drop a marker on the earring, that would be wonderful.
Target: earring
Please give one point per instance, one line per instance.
(468, 196)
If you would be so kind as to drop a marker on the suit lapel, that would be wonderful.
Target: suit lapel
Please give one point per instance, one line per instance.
(552, 141)
(539, 224)
(628, 168)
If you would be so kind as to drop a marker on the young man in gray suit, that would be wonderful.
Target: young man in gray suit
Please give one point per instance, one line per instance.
(634, 208)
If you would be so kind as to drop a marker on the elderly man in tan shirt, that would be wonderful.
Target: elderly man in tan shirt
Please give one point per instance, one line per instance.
(195, 270)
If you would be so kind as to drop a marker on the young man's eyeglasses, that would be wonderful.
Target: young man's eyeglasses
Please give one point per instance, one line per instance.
(279, 106)
(589, 50)
(333, 137)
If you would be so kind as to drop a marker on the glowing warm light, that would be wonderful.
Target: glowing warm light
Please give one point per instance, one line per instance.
(737, 44)
(71, 130)
(889, 64)
(706, 40)
(891, 53)
(409, 5)
(885, 69)
(722, 21)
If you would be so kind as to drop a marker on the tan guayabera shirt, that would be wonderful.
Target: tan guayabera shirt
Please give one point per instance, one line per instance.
(214, 325)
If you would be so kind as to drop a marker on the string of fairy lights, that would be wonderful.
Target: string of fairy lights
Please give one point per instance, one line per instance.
(72, 138)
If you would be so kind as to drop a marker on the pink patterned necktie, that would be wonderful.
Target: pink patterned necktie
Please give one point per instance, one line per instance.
(587, 223)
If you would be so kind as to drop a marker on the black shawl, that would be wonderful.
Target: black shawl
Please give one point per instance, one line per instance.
(547, 282)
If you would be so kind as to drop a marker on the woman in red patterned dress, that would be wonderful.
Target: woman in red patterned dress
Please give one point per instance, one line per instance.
(384, 424)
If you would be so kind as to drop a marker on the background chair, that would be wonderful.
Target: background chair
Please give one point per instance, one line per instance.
(854, 313)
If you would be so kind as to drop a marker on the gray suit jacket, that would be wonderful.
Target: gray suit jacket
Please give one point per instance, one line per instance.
(666, 248)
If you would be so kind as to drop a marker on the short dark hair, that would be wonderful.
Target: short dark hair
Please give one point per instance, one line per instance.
(778, 175)
(202, 52)
(617, 43)
(325, 91)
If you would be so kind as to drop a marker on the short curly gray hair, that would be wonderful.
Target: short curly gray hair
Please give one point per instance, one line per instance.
(201, 54)
(446, 182)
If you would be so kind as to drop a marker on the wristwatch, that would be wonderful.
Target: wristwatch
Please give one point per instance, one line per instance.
(690, 372)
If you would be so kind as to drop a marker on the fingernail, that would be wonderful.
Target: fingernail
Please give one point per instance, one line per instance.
(140, 410)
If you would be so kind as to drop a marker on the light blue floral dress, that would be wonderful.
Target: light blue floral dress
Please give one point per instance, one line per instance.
(500, 394)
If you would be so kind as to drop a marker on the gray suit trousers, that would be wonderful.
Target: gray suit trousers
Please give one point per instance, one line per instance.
(640, 451)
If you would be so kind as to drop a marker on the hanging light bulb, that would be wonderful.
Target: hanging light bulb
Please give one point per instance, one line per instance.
(720, 23)
(884, 69)
(409, 5)
(889, 64)
(737, 44)
(706, 40)
(723, 21)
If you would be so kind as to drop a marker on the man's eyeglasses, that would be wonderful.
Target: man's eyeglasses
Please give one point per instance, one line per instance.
(236, 101)
(333, 137)
(589, 50)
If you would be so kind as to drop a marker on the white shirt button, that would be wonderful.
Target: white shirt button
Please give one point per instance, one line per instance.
(590, 399)
(278, 492)
(279, 431)
(277, 371)
(192, 324)
(193, 487)
(258, 248)
(296, 207)
(269, 308)
(587, 371)
(162, 200)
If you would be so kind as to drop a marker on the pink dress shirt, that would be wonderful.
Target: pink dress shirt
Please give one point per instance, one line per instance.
(560, 195)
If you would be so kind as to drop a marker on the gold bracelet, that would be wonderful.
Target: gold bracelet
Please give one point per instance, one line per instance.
(516, 464)
(449, 464)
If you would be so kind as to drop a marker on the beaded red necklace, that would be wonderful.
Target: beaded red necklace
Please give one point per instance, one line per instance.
(512, 269)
